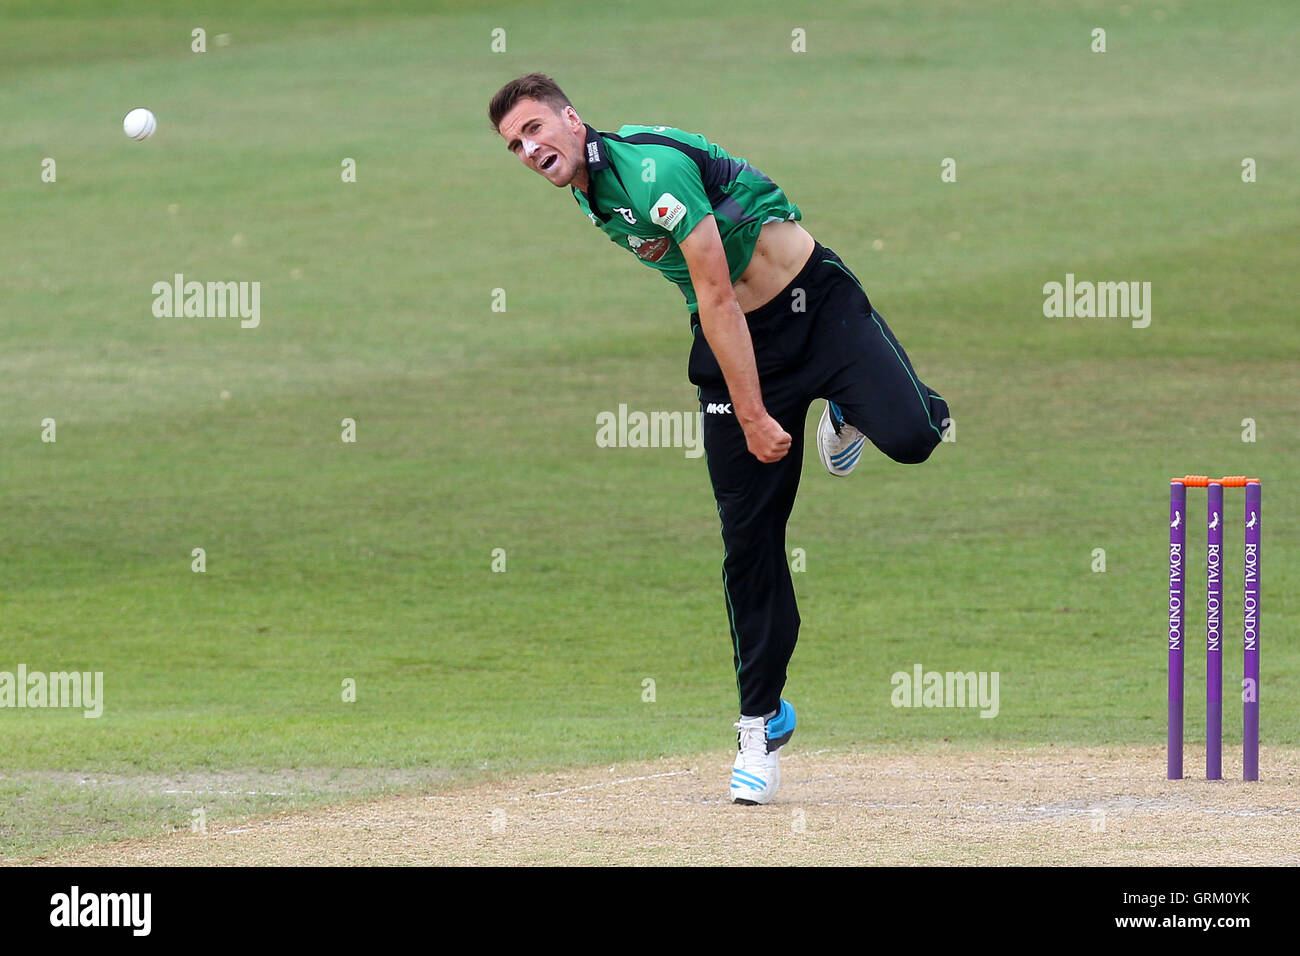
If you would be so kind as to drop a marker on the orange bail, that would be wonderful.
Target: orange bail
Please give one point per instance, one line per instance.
(1201, 481)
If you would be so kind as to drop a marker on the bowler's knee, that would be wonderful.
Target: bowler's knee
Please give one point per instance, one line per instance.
(917, 437)
(913, 447)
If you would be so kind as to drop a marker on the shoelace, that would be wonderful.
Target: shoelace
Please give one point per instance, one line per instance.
(753, 740)
(843, 438)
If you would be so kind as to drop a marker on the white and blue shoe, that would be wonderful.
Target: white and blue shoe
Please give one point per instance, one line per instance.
(756, 774)
(839, 444)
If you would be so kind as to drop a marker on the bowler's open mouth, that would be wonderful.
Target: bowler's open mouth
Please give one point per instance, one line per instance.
(549, 162)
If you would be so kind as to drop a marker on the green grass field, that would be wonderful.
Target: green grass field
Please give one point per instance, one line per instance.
(476, 429)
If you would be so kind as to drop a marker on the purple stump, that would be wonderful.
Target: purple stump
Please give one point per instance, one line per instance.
(1250, 639)
(1177, 549)
(1213, 631)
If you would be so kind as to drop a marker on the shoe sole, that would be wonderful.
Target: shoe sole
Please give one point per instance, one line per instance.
(745, 801)
(821, 449)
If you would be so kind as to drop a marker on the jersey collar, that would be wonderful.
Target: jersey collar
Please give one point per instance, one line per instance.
(597, 159)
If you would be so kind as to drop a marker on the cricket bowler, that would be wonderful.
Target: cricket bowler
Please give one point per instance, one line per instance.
(778, 322)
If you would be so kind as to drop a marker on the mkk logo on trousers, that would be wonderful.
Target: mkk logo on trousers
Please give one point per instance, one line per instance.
(717, 408)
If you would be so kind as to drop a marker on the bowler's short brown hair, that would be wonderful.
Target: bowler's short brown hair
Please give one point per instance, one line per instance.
(534, 86)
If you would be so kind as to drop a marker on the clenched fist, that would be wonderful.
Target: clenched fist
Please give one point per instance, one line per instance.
(767, 440)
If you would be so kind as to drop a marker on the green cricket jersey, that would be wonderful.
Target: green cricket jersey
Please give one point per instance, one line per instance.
(649, 186)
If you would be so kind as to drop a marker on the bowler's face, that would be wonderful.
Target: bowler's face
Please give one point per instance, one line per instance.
(549, 144)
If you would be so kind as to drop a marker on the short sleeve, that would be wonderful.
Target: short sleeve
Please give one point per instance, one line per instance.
(675, 199)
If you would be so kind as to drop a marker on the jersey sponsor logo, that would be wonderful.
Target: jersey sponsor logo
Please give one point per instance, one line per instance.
(667, 211)
(626, 213)
(593, 152)
(651, 250)
(594, 220)
(717, 408)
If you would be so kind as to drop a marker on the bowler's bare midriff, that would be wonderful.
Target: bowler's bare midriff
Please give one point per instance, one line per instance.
(780, 252)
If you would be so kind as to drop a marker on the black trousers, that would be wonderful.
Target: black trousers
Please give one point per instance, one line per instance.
(819, 338)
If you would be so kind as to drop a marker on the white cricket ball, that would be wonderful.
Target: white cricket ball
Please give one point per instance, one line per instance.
(139, 123)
